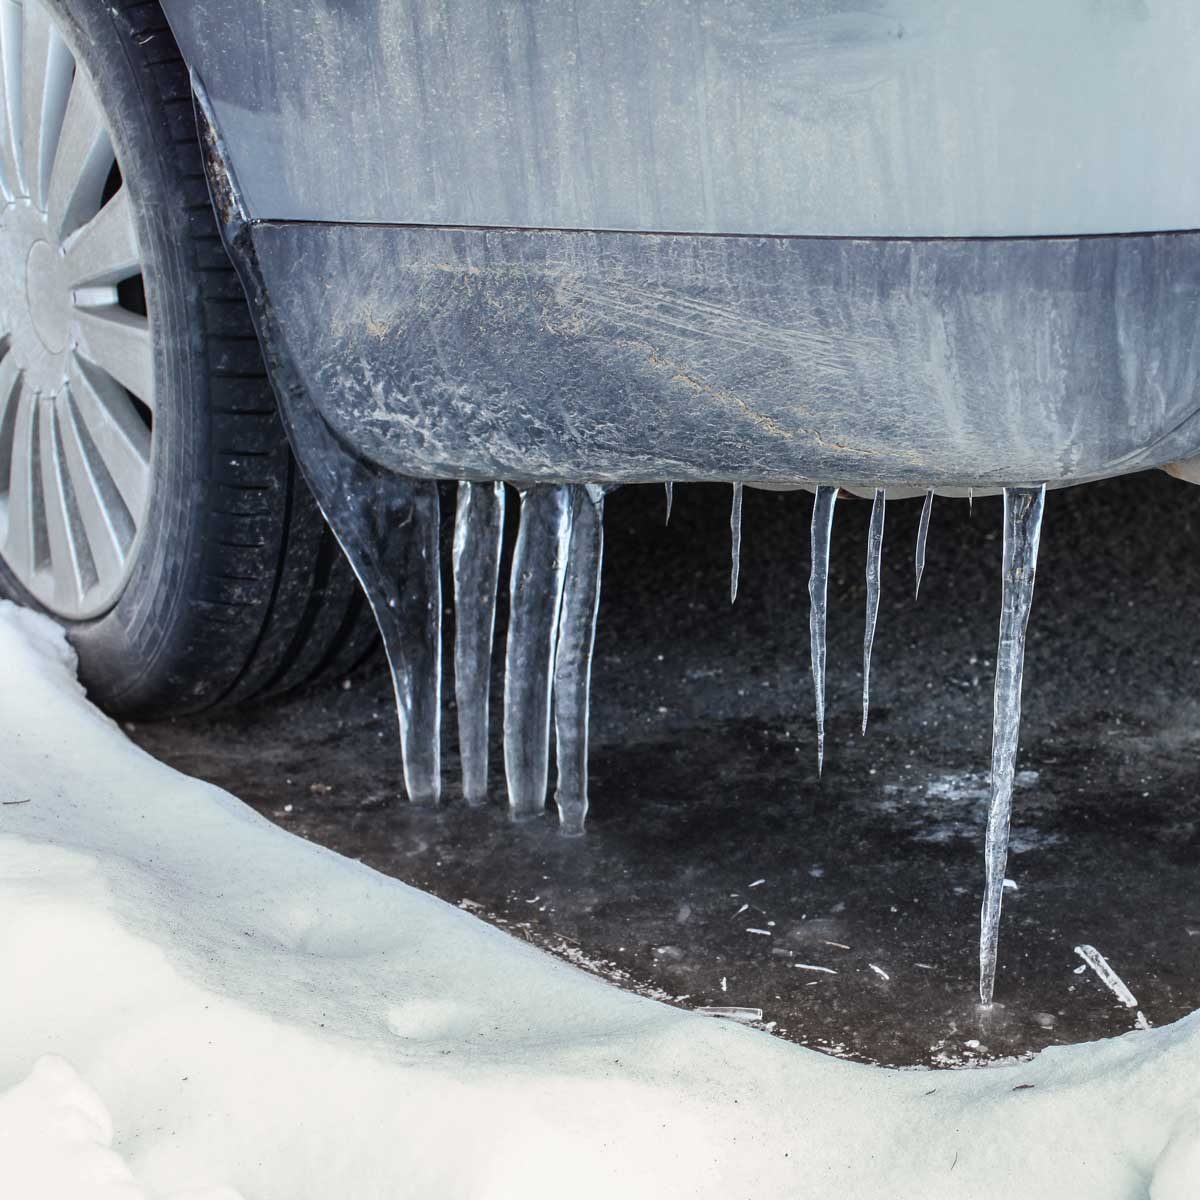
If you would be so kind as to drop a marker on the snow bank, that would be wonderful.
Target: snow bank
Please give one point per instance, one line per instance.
(231, 1011)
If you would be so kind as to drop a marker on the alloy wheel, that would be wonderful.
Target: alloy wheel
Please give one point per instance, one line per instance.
(76, 335)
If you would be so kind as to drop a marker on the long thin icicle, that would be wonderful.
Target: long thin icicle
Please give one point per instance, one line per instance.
(1023, 509)
(670, 488)
(735, 541)
(535, 589)
(874, 556)
(573, 662)
(818, 589)
(478, 533)
(922, 537)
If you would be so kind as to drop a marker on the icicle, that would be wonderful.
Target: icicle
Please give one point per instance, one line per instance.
(573, 662)
(407, 600)
(670, 487)
(970, 502)
(922, 535)
(535, 594)
(874, 554)
(478, 533)
(818, 587)
(1111, 980)
(735, 531)
(1022, 531)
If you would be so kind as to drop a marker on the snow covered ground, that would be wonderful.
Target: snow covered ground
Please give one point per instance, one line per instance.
(195, 1004)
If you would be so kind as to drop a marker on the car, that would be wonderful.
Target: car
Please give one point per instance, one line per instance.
(895, 248)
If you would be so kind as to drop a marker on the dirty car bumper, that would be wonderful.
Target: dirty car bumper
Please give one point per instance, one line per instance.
(625, 357)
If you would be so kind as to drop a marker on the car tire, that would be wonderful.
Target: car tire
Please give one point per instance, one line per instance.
(234, 588)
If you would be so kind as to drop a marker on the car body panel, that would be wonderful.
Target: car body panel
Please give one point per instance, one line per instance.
(806, 117)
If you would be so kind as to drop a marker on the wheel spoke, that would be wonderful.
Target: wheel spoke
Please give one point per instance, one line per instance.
(19, 539)
(105, 250)
(35, 59)
(118, 342)
(60, 73)
(10, 98)
(81, 164)
(66, 566)
(10, 375)
(10, 379)
(116, 431)
(105, 526)
(46, 71)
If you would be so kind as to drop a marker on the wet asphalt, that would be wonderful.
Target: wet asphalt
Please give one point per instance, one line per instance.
(719, 870)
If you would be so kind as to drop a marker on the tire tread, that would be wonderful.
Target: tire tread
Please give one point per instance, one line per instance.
(274, 605)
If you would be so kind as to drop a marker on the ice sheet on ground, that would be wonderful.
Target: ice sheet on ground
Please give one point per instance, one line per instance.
(952, 807)
(257, 1014)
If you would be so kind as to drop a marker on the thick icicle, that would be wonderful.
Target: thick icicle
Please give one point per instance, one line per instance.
(478, 533)
(670, 489)
(818, 587)
(535, 587)
(389, 529)
(1022, 531)
(406, 596)
(970, 502)
(735, 541)
(573, 661)
(874, 555)
(922, 536)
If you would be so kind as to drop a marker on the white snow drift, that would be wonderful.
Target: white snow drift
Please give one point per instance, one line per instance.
(195, 1004)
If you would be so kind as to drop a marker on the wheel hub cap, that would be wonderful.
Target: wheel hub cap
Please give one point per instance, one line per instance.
(46, 295)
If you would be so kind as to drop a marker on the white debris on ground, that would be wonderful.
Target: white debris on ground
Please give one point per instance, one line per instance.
(1111, 980)
(198, 1004)
(749, 1015)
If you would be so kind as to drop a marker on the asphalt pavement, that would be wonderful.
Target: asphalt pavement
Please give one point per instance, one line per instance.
(719, 870)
